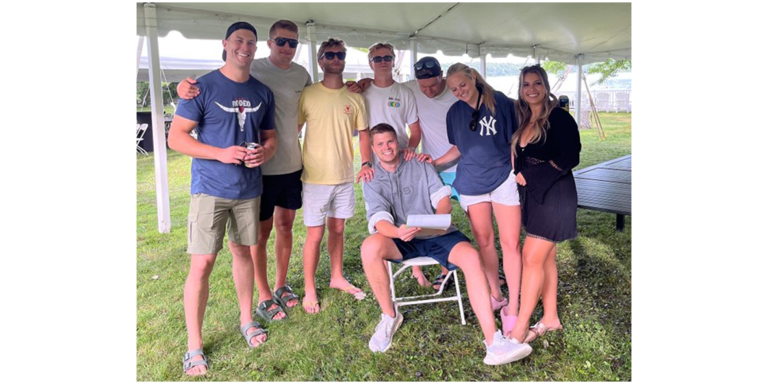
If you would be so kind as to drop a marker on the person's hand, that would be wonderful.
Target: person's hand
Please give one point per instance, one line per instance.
(353, 87)
(366, 173)
(424, 157)
(186, 90)
(232, 155)
(409, 154)
(255, 157)
(520, 179)
(406, 233)
(360, 86)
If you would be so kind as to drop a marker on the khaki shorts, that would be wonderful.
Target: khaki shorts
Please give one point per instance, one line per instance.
(208, 219)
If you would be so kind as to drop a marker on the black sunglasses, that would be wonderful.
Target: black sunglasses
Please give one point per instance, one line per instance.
(429, 65)
(378, 59)
(340, 55)
(473, 123)
(280, 41)
(476, 113)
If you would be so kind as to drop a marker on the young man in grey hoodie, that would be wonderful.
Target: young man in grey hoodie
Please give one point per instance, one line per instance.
(400, 188)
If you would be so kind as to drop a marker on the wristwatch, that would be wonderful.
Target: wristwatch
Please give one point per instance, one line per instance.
(366, 163)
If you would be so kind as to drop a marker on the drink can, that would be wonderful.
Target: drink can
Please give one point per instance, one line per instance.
(251, 146)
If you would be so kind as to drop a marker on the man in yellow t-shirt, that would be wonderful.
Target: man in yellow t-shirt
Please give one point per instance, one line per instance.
(331, 113)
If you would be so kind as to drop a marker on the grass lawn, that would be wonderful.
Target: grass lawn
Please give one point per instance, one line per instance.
(167, 109)
(432, 345)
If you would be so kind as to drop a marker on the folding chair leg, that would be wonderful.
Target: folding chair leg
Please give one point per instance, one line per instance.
(458, 294)
(392, 287)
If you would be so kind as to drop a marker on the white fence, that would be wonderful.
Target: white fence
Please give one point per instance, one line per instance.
(605, 100)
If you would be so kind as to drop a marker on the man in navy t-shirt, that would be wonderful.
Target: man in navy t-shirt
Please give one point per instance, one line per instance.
(233, 109)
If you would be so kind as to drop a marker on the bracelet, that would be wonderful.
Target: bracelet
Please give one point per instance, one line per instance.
(366, 163)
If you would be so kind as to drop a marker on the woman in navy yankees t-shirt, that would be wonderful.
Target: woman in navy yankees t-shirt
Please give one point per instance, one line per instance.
(480, 126)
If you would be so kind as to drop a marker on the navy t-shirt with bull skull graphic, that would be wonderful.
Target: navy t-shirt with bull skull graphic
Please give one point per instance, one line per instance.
(228, 113)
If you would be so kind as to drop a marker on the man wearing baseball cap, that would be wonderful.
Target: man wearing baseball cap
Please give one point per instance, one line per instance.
(282, 174)
(232, 111)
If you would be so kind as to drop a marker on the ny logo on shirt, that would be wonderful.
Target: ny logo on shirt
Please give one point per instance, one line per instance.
(487, 124)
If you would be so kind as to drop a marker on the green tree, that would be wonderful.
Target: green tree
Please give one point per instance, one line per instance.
(554, 67)
(609, 68)
(168, 89)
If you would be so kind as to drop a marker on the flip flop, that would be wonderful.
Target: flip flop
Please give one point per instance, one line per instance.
(507, 322)
(310, 304)
(538, 330)
(263, 312)
(497, 305)
(278, 296)
(355, 292)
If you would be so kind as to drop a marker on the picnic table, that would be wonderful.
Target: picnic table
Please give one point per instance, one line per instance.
(607, 187)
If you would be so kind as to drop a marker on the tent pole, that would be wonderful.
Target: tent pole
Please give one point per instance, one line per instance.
(158, 123)
(483, 62)
(413, 57)
(138, 53)
(578, 90)
(312, 48)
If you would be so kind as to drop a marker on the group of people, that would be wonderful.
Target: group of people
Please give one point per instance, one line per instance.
(499, 157)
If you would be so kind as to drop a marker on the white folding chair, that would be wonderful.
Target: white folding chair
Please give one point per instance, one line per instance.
(622, 102)
(415, 300)
(602, 101)
(141, 129)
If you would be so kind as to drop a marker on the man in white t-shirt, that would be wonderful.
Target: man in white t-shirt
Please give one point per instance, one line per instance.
(390, 102)
(433, 99)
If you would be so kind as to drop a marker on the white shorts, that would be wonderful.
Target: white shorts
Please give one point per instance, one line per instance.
(321, 201)
(505, 194)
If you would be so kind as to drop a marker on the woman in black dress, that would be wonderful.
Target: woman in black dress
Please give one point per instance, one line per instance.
(546, 148)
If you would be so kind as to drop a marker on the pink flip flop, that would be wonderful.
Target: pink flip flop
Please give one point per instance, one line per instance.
(497, 305)
(507, 323)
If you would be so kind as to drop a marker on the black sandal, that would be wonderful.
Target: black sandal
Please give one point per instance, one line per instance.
(439, 282)
(278, 296)
(263, 312)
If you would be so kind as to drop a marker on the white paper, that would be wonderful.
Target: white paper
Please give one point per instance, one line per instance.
(430, 221)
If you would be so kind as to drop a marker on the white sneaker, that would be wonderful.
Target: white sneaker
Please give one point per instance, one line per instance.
(382, 337)
(504, 350)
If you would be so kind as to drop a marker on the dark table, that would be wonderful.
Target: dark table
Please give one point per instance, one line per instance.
(607, 187)
(146, 118)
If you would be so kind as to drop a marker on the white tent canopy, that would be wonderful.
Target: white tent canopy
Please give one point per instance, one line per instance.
(575, 33)
(559, 31)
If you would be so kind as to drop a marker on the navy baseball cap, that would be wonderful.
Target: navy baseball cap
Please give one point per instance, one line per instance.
(237, 26)
(427, 67)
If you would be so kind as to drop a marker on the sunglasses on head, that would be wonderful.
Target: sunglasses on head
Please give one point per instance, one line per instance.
(280, 41)
(340, 55)
(422, 65)
(378, 59)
